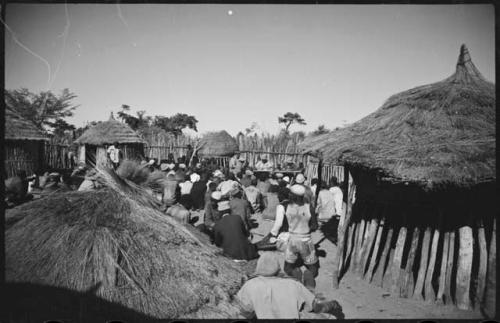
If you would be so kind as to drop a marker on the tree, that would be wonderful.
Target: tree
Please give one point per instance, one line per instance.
(289, 118)
(320, 130)
(46, 110)
(134, 122)
(176, 123)
(60, 127)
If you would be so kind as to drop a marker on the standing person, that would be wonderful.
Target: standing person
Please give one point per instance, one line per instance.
(114, 155)
(309, 195)
(231, 235)
(171, 191)
(300, 245)
(326, 213)
(338, 198)
(267, 295)
(189, 154)
(314, 186)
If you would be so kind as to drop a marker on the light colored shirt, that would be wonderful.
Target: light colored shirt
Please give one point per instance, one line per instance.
(227, 186)
(114, 154)
(264, 166)
(337, 196)
(298, 220)
(278, 222)
(326, 205)
(275, 298)
(186, 187)
(253, 196)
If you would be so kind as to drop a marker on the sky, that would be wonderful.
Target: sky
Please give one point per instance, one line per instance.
(233, 65)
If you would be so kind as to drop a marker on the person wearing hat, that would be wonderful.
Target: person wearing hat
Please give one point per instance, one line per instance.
(236, 164)
(299, 216)
(309, 195)
(267, 294)
(185, 190)
(198, 190)
(212, 214)
(231, 235)
(264, 164)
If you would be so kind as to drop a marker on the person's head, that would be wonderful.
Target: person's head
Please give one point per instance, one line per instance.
(283, 194)
(115, 144)
(314, 181)
(212, 186)
(187, 178)
(297, 193)
(268, 265)
(300, 178)
(273, 189)
(334, 181)
(189, 147)
(223, 207)
(253, 182)
(230, 176)
(324, 185)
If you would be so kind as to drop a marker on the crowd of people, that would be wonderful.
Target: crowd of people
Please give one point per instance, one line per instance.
(227, 198)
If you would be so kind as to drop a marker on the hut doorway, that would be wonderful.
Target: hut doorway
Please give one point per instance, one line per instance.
(90, 154)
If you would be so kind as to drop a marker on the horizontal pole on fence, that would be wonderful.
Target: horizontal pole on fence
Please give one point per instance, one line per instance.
(268, 152)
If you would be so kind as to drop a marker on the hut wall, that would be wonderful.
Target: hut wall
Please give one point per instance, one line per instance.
(442, 213)
(24, 155)
(81, 154)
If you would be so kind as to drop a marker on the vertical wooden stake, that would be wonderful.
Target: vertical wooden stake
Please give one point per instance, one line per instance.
(407, 283)
(430, 295)
(352, 229)
(448, 298)
(373, 260)
(357, 247)
(483, 263)
(366, 248)
(419, 285)
(442, 275)
(378, 278)
(396, 262)
(464, 267)
(490, 299)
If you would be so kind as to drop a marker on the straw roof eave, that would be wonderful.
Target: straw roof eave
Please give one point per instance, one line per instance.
(109, 132)
(441, 133)
(18, 128)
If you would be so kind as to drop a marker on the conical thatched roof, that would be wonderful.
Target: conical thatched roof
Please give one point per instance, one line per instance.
(438, 133)
(218, 144)
(18, 128)
(108, 132)
(115, 238)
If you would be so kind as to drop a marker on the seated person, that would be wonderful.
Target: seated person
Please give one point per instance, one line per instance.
(16, 189)
(268, 295)
(264, 164)
(253, 196)
(231, 235)
(181, 214)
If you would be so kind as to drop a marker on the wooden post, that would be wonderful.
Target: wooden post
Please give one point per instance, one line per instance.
(464, 267)
(419, 285)
(442, 274)
(367, 246)
(490, 299)
(407, 280)
(352, 229)
(387, 279)
(341, 241)
(448, 298)
(430, 295)
(357, 246)
(378, 278)
(373, 261)
(396, 262)
(483, 263)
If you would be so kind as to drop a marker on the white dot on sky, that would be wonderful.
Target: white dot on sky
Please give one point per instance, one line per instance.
(230, 12)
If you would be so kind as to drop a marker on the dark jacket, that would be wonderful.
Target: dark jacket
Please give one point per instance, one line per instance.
(198, 194)
(230, 234)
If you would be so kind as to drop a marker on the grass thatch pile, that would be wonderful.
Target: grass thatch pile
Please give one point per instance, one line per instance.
(109, 132)
(115, 238)
(218, 144)
(18, 128)
(442, 133)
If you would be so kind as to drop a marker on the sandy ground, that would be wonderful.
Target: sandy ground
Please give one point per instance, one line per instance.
(359, 298)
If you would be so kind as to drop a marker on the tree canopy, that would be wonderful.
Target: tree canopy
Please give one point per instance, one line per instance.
(289, 118)
(320, 130)
(45, 109)
(176, 123)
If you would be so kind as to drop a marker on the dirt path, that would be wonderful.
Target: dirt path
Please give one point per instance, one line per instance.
(360, 299)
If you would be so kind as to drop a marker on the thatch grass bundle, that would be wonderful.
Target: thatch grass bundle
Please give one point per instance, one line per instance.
(442, 133)
(108, 132)
(115, 238)
(133, 171)
(18, 128)
(218, 144)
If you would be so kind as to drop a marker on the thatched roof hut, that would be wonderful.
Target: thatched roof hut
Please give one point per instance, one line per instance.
(115, 243)
(218, 143)
(441, 133)
(24, 144)
(423, 166)
(94, 141)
